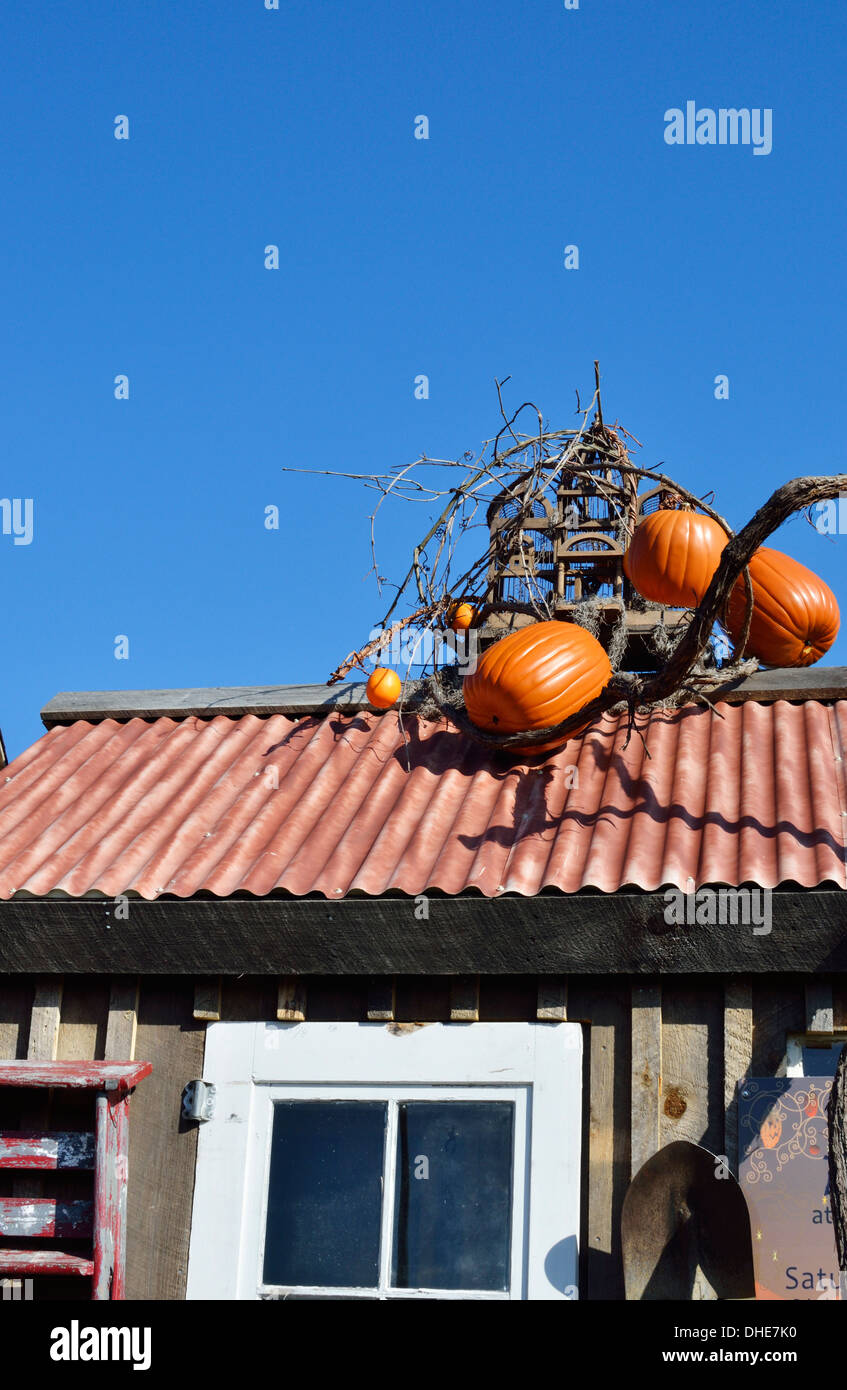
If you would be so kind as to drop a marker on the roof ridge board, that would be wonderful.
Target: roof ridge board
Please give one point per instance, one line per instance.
(791, 683)
(234, 701)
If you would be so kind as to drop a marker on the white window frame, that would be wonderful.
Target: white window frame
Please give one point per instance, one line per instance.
(537, 1066)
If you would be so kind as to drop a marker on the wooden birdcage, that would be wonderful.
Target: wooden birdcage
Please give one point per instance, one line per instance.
(568, 548)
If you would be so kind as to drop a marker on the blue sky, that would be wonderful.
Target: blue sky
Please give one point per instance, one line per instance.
(398, 257)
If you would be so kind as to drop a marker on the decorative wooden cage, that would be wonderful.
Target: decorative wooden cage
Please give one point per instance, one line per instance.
(569, 548)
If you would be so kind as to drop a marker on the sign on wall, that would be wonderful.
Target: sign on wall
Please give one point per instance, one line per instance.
(784, 1175)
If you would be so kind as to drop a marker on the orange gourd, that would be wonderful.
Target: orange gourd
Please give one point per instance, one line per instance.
(534, 678)
(795, 614)
(461, 617)
(383, 687)
(673, 555)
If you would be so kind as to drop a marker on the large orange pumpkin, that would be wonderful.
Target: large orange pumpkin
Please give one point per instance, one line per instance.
(673, 555)
(795, 615)
(534, 678)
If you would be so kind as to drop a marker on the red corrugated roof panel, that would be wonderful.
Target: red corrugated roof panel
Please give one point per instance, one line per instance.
(342, 805)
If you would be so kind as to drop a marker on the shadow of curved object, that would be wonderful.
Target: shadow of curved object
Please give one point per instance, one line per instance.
(560, 1265)
(680, 1216)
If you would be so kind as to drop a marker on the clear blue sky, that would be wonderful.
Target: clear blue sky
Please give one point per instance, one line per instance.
(398, 256)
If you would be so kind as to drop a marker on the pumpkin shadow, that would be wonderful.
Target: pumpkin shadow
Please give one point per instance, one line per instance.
(623, 791)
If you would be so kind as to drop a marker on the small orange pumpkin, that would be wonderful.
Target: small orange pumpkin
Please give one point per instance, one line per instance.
(534, 678)
(673, 555)
(383, 687)
(795, 615)
(461, 617)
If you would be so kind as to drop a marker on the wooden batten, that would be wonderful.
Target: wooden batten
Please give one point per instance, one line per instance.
(43, 1046)
(45, 1019)
(381, 996)
(207, 998)
(464, 999)
(552, 1006)
(291, 999)
(819, 1005)
(122, 1024)
(646, 1071)
(737, 1057)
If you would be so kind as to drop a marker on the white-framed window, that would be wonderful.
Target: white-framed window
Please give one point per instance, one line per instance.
(377, 1161)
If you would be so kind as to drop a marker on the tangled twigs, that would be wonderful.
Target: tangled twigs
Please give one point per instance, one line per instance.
(357, 659)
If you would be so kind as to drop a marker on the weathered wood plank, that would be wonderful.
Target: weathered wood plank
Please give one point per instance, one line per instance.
(819, 1006)
(786, 683)
(738, 1057)
(33, 1218)
(43, 1262)
(508, 998)
(802, 683)
(84, 1015)
(464, 999)
(692, 1096)
(606, 1005)
(779, 1008)
(552, 999)
(77, 1075)
(338, 998)
(572, 934)
(206, 702)
(21, 1149)
(207, 998)
(422, 998)
(110, 1184)
(646, 1071)
(45, 1019)
(16, 995)
(42, 1046)
(381, 998)
(249, 999)
(122, 1024)
(162, 1146)
(291, 999)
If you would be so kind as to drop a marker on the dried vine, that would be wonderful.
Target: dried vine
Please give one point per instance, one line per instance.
(522, 473)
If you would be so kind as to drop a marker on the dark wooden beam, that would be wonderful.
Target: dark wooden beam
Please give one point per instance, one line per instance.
(579, 934)
(807, 683)
(233, 701)
(789, 683)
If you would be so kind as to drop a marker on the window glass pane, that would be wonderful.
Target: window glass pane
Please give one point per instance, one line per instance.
(454, 1195)
(325, 1193)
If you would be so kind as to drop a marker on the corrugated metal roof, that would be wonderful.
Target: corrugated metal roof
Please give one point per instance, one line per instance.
(188, 806)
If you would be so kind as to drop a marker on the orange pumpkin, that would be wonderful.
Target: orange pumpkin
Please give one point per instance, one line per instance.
(383, 687)
(534, 678)
(673, 555)
(461, 617)
(795, 615)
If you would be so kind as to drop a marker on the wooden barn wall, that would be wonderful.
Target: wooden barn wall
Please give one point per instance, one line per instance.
(662, 1058)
